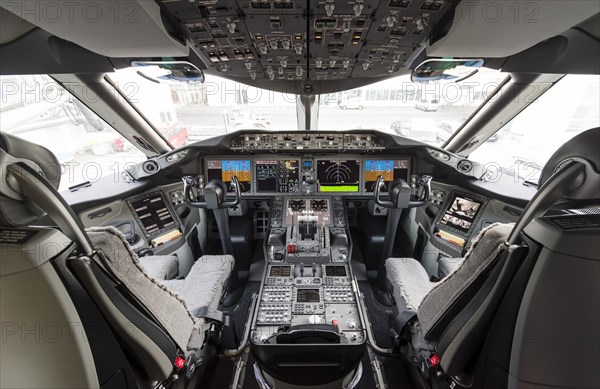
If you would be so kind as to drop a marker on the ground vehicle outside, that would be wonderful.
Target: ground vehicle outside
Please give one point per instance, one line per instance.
(427, 105)
(352, 103)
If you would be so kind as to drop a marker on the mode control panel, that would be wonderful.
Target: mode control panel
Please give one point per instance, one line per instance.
(307, 141)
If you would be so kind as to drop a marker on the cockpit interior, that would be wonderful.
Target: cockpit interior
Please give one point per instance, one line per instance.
(288, 194)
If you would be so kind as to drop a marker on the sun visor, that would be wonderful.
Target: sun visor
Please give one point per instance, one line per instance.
(497, 29)
(109, 28)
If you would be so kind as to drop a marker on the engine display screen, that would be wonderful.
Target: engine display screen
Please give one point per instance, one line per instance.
(461, 213)
(342, 176)
(280, 271)
(280, 176)
(153, 214)
(389, 169)
(308, 296)
(225, 170)
(335, 271)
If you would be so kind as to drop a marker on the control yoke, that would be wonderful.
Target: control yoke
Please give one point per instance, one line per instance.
(214, 193)
(399, 198)
(400, 193)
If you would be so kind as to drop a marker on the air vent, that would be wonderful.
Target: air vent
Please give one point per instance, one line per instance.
(438, 155)
(464, 166)
(143, 144)
(589, 211)
(150, 167)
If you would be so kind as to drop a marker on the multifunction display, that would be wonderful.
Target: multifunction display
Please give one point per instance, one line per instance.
(308, 296)
(280, 271)
(335, 271)
(225, 170)
(153, 214)
(279, 176)
(389, 169)
(338, 176)
(462, 212)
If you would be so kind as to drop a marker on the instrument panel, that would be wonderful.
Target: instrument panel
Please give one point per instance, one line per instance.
(268, 175)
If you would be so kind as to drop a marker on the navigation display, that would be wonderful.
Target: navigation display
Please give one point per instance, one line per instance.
(307, 296)
(390, 169)
(338, 176)
(281, 176)
(153, 214)
(461, 213)
(225, 170)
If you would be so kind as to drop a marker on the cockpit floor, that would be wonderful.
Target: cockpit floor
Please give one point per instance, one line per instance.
(378, 315)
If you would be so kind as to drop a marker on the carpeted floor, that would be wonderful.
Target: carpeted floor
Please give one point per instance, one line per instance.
(378, 315)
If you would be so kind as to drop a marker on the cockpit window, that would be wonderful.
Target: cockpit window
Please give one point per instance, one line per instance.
(37, 109)
(523, 146)
(216, 107)
(426, 112)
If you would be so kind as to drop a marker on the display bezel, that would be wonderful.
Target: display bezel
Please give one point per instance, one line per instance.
(346, 158)
(139, 221)
(383, 158)
(269, 158)
(450, 200)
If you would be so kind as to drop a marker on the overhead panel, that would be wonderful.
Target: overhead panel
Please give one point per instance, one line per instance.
(296, 40)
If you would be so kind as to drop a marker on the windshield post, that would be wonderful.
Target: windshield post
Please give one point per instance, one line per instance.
(307, 111)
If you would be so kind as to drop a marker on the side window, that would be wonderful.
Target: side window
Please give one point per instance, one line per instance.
(524, 145)
(39, 110)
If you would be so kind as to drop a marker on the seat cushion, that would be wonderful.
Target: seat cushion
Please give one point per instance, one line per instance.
(410, 282)
(160, 267)
(166, 306)
(204, 283)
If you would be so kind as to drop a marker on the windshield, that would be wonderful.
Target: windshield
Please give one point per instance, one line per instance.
(37, 109)
(524, 145)
(426, 112)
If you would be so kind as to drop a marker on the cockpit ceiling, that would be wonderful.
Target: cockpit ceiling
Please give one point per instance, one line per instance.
(291, 41)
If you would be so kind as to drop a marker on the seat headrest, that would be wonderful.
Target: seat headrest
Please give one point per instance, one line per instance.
(16, 211)
(583, 148)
